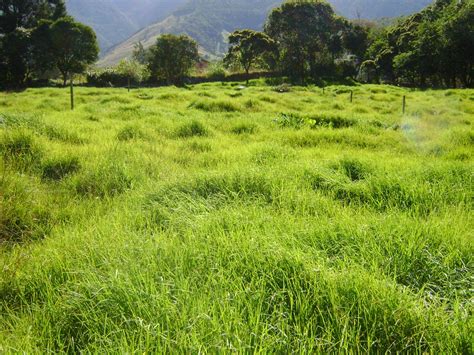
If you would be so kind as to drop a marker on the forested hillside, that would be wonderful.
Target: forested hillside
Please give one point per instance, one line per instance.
(209, 21)
(116, 20)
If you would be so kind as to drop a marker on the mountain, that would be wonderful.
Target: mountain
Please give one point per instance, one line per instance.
(374, 9)
(209, 21)
(116, 20)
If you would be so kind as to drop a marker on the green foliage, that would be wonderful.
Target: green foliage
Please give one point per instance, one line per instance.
(133, 70)
(305, 32)
(433, 47)
(248, 48)
(37, 37)
(73, 45)
(172, 57)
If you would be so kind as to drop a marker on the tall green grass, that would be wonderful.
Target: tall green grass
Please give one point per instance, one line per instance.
(211, 219)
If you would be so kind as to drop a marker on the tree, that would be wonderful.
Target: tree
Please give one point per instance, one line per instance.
(172, 57)
(74, 46)
(18, 19)
(133, 70)
(247, 47)
(458, 42)
(368, 71)
(303, 31)
(139, 53)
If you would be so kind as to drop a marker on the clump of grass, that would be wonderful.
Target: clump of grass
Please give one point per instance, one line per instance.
(192, 129)
(20, 150)
(215, 106)
(22, 217)
(290, 120)
(108, 180)
(234, 94)
(129, 133)
(62, 135)
(199, 147)
(58, 169)
(244, 128)
(354, 169)
(330, 120)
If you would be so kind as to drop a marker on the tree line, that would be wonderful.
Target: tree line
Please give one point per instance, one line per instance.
(303, 40)
(38, 40)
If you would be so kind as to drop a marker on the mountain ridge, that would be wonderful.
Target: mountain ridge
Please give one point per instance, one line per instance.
(208, 21)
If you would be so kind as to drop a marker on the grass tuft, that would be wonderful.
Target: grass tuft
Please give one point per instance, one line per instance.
(192, 129)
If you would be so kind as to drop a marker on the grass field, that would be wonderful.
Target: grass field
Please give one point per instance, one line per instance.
(220, 219)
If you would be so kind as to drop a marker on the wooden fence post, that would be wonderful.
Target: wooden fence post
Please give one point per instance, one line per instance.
(71, 85)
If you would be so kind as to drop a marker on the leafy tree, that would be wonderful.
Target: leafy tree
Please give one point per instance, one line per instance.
(74, 46)
(140, 53)
(303, 31)
(368, 71)
(432, 47)
(133, 70)
(247, 48)
(356, 40)
(458, 42)
(18, 19)
(172, 57)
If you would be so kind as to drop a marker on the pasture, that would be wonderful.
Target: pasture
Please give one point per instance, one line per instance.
(217, 218)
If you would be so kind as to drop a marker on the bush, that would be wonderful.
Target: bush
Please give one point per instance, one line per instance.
(60, 168)
(216, 72)
(283, 88)
(192, 129)
(106, 78)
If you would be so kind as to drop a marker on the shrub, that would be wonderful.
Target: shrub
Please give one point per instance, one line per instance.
(216, 72)
(192, 129)
(60, 168)
(283, 88)
(106, 78)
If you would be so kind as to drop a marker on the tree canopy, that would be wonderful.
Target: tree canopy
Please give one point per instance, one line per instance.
(172, 58)
(247, 48)
(37, 36)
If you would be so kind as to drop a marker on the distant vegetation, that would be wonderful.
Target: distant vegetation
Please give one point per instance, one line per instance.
(209, 21)
(303, 41)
